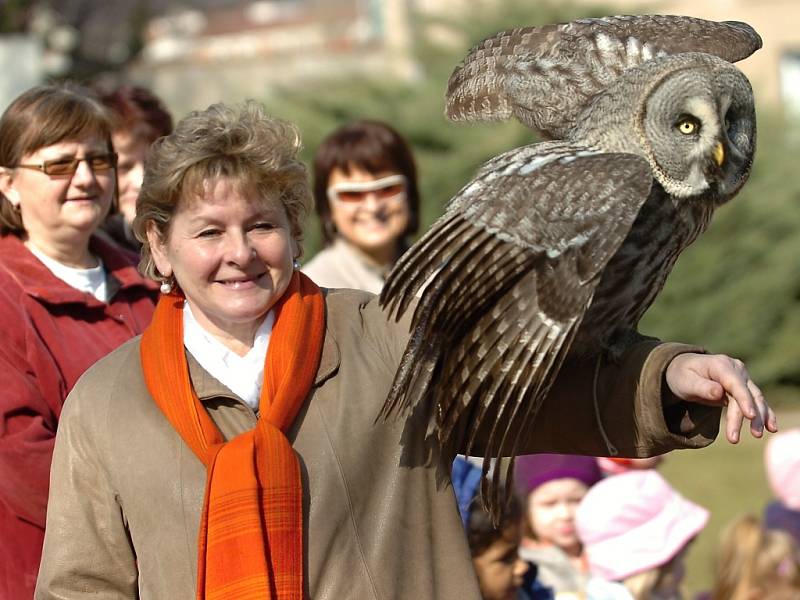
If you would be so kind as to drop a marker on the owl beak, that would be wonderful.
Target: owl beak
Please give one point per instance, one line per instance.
(719, 154)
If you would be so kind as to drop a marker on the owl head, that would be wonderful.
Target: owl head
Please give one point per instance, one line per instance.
(662, 86)
(692, 116)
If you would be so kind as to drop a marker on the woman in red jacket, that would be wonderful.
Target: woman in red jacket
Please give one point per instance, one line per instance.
(66, 297)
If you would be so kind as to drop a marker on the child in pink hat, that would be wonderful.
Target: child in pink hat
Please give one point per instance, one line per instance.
(635, 529)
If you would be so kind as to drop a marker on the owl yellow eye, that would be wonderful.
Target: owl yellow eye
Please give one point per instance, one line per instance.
(688, 126)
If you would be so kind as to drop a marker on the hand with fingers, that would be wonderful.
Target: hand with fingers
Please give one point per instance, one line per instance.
(719, 380)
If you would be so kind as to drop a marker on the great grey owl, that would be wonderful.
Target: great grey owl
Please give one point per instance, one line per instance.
(559, 247)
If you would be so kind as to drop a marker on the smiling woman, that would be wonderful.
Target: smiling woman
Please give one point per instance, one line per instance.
(66, 298)
(232, 252)
(367, 199)
(245, 417)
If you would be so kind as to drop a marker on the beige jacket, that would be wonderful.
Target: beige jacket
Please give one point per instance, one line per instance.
(342, 265)
(126, 492)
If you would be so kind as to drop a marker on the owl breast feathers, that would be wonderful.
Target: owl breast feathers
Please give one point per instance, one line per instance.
(558, 248)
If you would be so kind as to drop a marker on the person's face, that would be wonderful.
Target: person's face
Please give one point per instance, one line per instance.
(131, 149)
(61, 207)
(551, 512)
(373, 221)
(231, 252)
(500, 570)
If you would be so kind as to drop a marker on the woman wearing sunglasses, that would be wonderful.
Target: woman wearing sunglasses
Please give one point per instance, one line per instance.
(366, 196)
(66, 298)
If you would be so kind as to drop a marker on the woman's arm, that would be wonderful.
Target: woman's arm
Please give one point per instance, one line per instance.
(31, 394)
(27, 434)
(87, 548)
(657, 398)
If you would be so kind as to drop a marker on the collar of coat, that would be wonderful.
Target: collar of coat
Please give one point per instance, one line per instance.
(208, 387)
(38, 281)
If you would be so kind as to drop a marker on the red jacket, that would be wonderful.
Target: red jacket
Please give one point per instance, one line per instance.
(50, 333)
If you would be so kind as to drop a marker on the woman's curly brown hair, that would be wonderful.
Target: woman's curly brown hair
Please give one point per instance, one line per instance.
(240, 142)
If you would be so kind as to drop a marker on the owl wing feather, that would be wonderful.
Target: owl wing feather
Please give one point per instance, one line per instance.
(545, 76)
(504, 278)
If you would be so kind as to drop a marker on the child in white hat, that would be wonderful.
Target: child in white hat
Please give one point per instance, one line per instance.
(635, 529)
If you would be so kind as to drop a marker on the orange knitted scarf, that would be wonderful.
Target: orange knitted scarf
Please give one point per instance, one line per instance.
(251, 529)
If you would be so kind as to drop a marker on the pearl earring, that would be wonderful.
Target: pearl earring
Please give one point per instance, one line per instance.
(166, 287)
(296, 264)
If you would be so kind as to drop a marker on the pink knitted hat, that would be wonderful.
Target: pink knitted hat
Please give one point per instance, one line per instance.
(782, 458)
(634, 522)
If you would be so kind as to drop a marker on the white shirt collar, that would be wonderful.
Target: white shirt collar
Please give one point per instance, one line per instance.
(243, 375)
(92, 281)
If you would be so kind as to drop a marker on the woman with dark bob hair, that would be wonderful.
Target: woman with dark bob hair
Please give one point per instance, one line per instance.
(66, 297)
(233, 450)
(367, 199)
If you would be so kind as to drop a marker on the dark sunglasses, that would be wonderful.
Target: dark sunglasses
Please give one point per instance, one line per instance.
(61, 167)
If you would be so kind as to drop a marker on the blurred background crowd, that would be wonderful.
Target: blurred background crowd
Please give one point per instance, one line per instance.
(364, 80)
(617, 529)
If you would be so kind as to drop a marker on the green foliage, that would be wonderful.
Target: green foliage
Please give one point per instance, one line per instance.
(13, 14)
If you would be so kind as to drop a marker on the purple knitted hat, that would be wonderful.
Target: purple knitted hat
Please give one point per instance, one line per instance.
(533, 470)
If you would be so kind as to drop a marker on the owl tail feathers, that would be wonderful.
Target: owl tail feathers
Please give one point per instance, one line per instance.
(514, 407)
(474, 385)
(411, 382)
(418, 265)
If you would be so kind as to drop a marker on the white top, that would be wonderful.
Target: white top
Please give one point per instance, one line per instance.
(242, 375)
(599, 589)
(342, 265)
(92, 281)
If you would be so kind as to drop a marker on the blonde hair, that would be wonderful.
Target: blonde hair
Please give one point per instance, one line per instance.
(644, 584)
(751, 560)
(239, 142)
(641, 585)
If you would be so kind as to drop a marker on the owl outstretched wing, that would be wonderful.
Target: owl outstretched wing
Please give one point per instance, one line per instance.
(545, 76)
(506, 277)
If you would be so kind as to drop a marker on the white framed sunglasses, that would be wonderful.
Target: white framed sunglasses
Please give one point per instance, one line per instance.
(353, 192)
